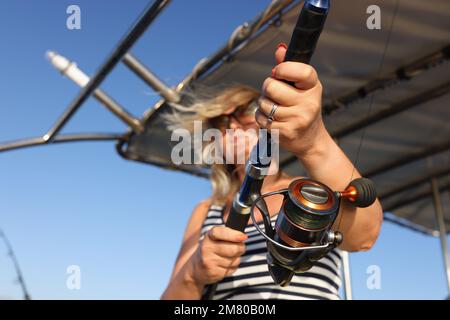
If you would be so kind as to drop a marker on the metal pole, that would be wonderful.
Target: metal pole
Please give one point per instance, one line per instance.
(124, 45)
(118, 110)
(150, 78)
(442, 230)
(347, 277)
(70, 70)
(395, 109)
(25, 143)
(405, 72)
(345, 261)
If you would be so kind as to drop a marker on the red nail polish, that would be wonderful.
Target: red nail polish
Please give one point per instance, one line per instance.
(242, 237)
(282, 45)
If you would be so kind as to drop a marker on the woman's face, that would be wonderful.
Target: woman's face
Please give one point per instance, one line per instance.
(239, 133)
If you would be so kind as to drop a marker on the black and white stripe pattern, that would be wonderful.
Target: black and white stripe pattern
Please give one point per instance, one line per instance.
(253, 281)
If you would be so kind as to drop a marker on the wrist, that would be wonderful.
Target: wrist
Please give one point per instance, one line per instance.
(184, 285)
(318, 148)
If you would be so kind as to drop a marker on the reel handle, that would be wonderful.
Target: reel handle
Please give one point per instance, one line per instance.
(361, 192)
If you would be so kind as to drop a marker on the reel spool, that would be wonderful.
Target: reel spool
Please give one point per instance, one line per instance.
(302, 233)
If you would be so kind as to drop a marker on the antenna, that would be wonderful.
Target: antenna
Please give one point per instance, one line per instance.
(20, 279)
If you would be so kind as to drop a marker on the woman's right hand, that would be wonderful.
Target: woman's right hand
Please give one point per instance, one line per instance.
(217, 256)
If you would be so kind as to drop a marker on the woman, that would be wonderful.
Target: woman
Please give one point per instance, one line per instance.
(211, 252)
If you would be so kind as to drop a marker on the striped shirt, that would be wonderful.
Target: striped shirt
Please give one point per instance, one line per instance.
(252, 279)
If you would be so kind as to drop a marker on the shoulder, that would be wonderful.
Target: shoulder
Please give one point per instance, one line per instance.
(200, 211)
(202, 206)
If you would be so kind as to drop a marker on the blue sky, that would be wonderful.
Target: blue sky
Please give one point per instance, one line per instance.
(121, 221)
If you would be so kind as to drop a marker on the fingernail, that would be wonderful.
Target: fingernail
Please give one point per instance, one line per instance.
(242, 237)
(282, 45)
(274, 71)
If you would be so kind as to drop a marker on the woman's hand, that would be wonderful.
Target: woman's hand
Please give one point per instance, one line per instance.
(298, 117)
(217, 256)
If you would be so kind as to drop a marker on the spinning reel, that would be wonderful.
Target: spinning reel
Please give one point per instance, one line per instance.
(302, 233)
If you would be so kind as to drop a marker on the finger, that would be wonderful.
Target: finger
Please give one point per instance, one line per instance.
(303, 75)
(274, 125)
(283, 130)
(229, 272)
(280, 52)
(235, 262)
(280, 92)
(265, 123)
(225, 272)
(229, 249)
(223, 233)
(261, 120)
(227, 263)
(281, 114)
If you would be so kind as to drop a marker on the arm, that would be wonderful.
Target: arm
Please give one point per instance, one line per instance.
(299, 122)
(181, 284)
(204, 262)
(327, 163)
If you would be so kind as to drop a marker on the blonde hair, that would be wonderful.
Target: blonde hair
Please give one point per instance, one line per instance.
(213, 103)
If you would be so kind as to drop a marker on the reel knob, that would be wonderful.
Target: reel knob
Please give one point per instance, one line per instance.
(361, 192)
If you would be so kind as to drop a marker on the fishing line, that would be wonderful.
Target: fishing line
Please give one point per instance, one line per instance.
(372, 97)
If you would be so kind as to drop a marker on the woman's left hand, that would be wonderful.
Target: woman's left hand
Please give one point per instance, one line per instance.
(298, 117)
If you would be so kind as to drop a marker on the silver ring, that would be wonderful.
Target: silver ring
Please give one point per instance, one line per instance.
(271, 115)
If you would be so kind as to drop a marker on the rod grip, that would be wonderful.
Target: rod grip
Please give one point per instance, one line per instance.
(305, 36)
(308, 28)
(236, 220)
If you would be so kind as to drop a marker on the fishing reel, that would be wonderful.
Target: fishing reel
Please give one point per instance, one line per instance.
(302, 233)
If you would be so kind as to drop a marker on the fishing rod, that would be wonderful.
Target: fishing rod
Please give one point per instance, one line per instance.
(302, 233)
(20, 279)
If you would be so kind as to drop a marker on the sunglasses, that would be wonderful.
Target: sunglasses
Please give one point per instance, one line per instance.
(244, 115)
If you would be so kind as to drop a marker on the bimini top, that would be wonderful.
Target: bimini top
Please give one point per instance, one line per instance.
(386, 96)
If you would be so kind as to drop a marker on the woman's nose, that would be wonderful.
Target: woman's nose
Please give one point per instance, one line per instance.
(234, 124)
